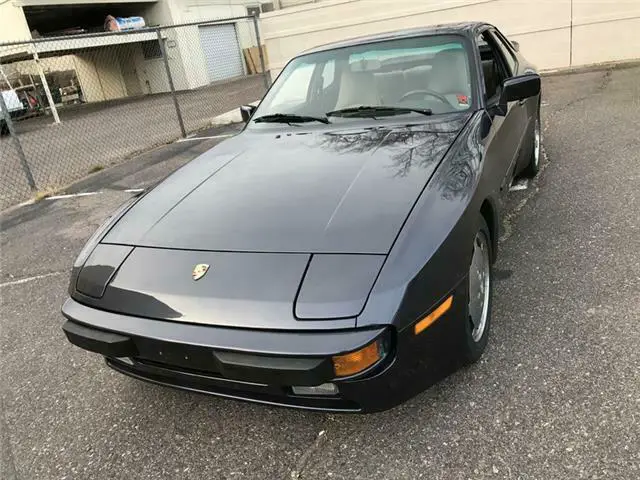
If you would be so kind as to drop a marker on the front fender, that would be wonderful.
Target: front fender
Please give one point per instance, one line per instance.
(432, 252)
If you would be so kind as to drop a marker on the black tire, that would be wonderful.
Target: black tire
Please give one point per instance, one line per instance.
(473, 348)
(533, 167)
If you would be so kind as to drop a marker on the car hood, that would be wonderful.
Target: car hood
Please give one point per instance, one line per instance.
(329, 191)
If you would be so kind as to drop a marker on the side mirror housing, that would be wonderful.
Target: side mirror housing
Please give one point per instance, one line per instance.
(519, 88)
(246, 111)
(516, 45)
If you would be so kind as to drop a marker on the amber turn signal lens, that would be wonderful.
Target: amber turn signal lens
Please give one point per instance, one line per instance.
(433, 316)
(354, 362)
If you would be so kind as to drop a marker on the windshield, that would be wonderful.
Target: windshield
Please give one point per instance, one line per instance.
(427, 73)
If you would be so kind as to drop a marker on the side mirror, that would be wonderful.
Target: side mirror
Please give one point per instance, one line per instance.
(519, 88)
(516, 45)
(246, 111)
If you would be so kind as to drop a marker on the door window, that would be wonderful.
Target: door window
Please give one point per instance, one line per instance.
(493, 66)
(512, 62)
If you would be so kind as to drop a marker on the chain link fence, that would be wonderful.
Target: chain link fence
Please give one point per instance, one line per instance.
(75, 104)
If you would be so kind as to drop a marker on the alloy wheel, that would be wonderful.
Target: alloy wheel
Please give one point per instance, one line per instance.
(479, 286)
(536, 144)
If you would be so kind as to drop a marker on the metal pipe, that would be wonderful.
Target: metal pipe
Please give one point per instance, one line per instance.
(35, 41)
(206, 22)
(4, 111)
(45, 85)
(163, 50)
(6, 79)
(262, 64)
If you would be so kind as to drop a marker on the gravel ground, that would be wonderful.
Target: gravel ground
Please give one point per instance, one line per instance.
(557, 395)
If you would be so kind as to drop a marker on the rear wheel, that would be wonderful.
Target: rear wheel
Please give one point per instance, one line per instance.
(480, 286)
(533, 167)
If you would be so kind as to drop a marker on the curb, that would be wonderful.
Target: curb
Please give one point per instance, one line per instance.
(592, 67)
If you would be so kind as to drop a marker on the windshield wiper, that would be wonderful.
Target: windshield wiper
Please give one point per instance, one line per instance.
(376, 110)
(289, 118)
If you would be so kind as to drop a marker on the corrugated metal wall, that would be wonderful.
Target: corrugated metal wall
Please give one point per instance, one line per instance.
(222, 51)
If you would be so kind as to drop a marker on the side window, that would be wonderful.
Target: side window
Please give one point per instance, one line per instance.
(493, 66)
(512, 63)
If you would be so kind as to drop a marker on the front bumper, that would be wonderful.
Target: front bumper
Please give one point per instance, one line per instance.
(262, 366)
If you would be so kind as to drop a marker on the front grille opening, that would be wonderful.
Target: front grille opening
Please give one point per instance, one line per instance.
(195, 382)
(166, 366)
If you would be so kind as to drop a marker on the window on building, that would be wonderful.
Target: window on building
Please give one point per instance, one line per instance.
(151, 49)
(266, 7)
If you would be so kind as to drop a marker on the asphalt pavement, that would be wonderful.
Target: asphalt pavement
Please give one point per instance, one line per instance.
(556, 396)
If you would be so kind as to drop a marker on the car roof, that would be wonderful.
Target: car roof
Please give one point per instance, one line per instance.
(464, 28)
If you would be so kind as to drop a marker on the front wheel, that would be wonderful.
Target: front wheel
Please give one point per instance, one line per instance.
(480, 287)
(533, 167)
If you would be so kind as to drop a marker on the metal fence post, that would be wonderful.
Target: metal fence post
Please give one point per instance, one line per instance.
(45, 85)
(163, 49)
(264, 69)
(16, 141)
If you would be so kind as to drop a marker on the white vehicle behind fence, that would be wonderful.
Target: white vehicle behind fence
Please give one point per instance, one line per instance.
(13, 104)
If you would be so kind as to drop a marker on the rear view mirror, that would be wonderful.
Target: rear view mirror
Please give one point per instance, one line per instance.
(516, 45)
(519, 88)
(246, 111)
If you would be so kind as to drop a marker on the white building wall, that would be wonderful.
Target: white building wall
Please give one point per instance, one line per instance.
(604, 31)
(552, 34)
(198, 11)
(13, 23)
(100, 74)
(49, 64)
(188, 38)
(88, 78)
(294, 3)
(184, 52)
(13, 27)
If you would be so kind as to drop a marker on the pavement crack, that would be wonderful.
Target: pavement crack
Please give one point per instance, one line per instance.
(602, 85)
(306, 455)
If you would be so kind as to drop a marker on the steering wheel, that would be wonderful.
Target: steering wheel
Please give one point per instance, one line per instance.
(431, 93)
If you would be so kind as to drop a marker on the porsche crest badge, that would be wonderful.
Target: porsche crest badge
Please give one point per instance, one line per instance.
(199, 271)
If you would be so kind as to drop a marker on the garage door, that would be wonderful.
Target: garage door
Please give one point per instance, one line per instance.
(221, 51)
